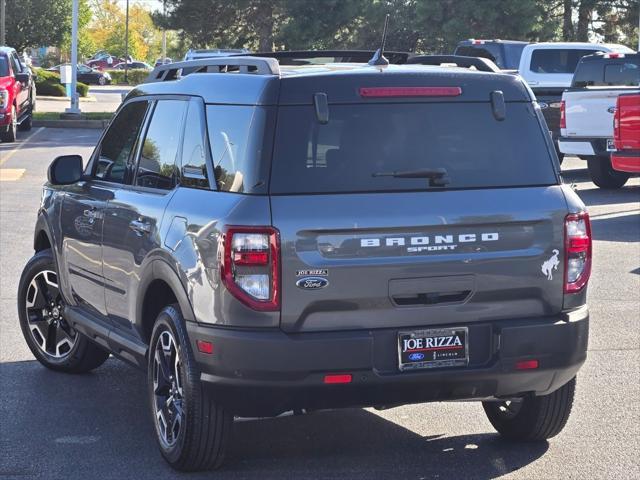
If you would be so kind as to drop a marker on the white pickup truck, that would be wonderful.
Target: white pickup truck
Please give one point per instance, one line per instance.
(548, 69)
(587, 110)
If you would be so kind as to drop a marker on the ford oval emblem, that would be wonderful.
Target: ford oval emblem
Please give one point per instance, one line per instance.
(312, 283)
(414, 357)
(543, 105)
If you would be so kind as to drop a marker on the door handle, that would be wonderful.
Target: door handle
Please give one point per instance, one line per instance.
(140, 227)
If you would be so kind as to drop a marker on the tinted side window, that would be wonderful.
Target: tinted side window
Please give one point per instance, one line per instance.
(157, 164)
(118, 143)
(236, 135)
(622, 74)
(15, 64)
(194, 157)
(557, 60)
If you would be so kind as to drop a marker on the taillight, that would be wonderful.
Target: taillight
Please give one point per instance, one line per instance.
(251, 265)
(616, 123)
(577, 263)
(563, 115)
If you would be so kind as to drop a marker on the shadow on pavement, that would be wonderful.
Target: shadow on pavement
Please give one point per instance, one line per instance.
(74, 426)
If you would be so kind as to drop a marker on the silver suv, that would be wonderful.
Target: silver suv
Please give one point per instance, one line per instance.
(264, 239)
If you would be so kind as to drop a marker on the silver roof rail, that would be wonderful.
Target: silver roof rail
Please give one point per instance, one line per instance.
(253, 65)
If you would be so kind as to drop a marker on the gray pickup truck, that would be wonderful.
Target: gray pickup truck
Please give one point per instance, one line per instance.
(265, 238)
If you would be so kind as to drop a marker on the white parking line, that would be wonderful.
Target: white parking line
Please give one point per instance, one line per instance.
(20, 145)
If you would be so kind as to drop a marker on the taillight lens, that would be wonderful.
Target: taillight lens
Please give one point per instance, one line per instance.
(563, 115)
(616, 122)
(251, 265)
(577, 268)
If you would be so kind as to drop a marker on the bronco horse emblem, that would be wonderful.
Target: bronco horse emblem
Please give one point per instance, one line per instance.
(552, 264)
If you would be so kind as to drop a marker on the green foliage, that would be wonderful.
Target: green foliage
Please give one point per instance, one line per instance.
(48, 84)
(417, 25)
(134, 77)
(33, 23)
(86, 43)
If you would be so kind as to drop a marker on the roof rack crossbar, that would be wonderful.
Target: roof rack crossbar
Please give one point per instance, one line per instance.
(254, 65)
(481, 64)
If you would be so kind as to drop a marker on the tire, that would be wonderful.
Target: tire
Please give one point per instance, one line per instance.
(9, 135)
(27, 123)
(53, 342)
(102, 81)
(532, 418)
(603, 174)
(198, 440)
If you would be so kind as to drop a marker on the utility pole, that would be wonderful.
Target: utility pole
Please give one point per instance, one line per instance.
(74, 108)
(126, 43)
(164, 31)
(2, 22)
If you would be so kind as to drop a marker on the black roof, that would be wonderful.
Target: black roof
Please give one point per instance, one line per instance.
(265, 82)
(471, 41)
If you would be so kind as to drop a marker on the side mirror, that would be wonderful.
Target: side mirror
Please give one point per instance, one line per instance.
(65, 170)
(22, 77)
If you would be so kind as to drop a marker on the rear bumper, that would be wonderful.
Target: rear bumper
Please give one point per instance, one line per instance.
(583, 146)
(261, 373)
(626, 161)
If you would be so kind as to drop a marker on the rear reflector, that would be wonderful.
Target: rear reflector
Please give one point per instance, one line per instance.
(204, 346)
(333, 379)
(373, 92)
(527, 365)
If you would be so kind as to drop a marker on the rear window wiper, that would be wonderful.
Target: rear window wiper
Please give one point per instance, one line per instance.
(437, 176)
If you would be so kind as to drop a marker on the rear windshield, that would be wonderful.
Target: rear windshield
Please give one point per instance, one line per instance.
(624, 72)
(557, 60)
(359, 141)
(4, 66)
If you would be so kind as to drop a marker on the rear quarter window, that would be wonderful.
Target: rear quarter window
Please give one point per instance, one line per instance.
(239, 139)
(361, 140)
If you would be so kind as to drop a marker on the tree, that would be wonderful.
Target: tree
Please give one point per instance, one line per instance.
(86, 44)
(108, 30)
(35, 23)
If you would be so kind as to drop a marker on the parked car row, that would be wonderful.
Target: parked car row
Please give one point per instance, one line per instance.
(17, 95)
(589, 110)
(86, 74)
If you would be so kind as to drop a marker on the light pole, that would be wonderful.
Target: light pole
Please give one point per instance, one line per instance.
(126, 43)
(2, 17)
(74, 108)
(164, 31)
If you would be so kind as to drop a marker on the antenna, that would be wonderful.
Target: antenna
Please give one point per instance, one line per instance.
(378, 58)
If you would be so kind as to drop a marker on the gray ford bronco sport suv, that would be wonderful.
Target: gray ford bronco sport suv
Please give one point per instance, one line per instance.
(265, 238)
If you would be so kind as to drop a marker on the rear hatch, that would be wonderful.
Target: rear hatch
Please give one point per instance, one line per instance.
(362, 249)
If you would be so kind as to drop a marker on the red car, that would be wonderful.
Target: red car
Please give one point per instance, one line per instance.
(17, 95)
(626, 134)
(104, 63)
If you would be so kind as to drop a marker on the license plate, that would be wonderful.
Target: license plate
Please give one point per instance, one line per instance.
(611, 147)
(433, 348)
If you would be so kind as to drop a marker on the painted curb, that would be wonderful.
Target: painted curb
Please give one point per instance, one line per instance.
(98, 124)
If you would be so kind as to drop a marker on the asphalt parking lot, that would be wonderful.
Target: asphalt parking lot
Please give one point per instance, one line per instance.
(98, 426)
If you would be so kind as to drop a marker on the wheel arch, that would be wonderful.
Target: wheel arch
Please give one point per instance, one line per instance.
(159, 286)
